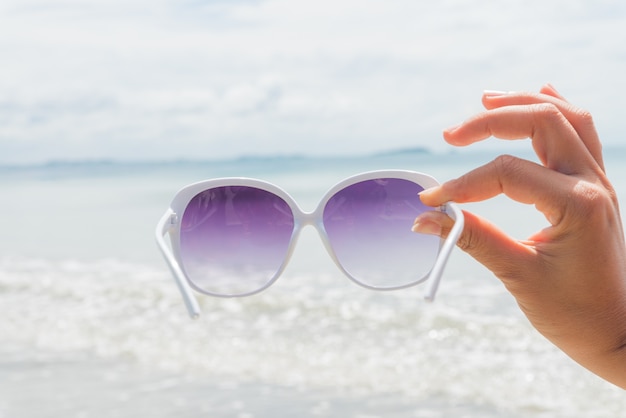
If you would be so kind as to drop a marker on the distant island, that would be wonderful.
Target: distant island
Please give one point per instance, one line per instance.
(303, 157)
(402, 151)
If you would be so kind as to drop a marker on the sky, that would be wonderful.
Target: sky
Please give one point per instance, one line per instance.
(207, 79)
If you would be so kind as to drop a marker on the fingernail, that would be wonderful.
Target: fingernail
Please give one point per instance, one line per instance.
(428, 192)
(451, 129)
(494, 93)
(554, 90)
(550, 85)
(423, 226)
(424, 194)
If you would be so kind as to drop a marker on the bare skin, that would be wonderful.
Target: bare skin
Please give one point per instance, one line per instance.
(569, 279)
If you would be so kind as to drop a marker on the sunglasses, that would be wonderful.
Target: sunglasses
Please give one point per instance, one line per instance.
(233, 237)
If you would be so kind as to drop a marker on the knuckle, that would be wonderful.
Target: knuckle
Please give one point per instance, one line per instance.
(547, 114)
(508, 167)
(506, 163)
(593, 200)
(584, 116)
(546, 110)
(465, 243)
(585, 123)
(469, 242)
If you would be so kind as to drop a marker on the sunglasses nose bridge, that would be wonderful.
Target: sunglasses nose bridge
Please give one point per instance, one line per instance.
(308, 218)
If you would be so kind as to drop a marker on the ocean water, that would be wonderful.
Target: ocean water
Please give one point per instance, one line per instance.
(92, 325)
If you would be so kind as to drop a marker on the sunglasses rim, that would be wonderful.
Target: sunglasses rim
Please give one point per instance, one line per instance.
(187, 193)
(170, 224)
(301, 219)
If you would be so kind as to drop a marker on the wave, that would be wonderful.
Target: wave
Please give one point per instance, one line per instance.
(317, 332)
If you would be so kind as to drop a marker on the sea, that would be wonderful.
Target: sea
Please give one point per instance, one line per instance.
(92, 324)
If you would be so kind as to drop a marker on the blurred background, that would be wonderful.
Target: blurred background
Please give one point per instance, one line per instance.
(108, 107)
(167, 79)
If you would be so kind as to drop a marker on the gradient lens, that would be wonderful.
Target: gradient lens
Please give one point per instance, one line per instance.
(369, 228)
(234, 239)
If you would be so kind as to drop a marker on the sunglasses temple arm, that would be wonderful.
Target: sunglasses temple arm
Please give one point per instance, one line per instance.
(191, 302)
(455, 213)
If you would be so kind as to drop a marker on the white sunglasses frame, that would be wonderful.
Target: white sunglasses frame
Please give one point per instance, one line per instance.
(169, 224)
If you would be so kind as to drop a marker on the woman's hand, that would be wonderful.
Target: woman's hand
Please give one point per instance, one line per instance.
(569, 278)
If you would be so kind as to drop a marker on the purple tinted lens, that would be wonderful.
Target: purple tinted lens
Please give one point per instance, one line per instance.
(369, 228)
(234, 239)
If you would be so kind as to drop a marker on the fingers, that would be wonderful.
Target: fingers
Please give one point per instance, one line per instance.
(521, 180)
(551, 91)
(504, 256)
(580, 120)
(567, 278)
(555, 141)
(567, 144)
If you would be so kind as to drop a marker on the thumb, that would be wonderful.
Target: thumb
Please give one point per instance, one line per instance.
(508, 258)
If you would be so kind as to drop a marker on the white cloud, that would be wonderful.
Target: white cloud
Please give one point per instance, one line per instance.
(139, 79)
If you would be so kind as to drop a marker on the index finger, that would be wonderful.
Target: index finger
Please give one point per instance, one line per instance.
(520, 180)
